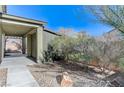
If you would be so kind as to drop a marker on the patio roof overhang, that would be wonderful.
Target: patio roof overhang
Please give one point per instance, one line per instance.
(18, 26)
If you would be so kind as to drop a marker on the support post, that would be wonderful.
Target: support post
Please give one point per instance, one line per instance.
(2, 40)
(28, 45)
(39, 44)
(24, 45)
(0, 45)
(3, 44)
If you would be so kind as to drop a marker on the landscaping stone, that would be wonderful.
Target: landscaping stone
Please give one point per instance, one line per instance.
(66, 81)
(116, 80)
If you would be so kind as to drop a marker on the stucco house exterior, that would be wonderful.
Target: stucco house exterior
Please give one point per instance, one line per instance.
(35, 37)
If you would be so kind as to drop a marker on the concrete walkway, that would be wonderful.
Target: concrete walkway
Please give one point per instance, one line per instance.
(18, 74)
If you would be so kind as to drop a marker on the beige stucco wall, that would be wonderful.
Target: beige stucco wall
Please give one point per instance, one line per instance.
(47, 38)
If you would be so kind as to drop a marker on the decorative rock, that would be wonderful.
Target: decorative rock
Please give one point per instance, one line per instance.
(66, 80)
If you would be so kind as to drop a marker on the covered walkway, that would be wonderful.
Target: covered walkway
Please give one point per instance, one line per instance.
(31, 32)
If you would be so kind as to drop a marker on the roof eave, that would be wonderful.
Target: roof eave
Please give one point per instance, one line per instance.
(22, 19)
(52, 32)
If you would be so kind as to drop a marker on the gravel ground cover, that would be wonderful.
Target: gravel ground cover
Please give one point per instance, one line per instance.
(3, 77)
(46, 75)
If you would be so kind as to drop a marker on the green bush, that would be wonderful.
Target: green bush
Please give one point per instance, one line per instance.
(51, 55)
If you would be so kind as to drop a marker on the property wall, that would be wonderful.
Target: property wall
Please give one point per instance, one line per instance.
(47, 38)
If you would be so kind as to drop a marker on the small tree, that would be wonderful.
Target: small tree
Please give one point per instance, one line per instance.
(111, 15)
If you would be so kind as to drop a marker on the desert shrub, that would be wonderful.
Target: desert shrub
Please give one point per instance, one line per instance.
(67, 44)
(64, 44)
(51, 55)
(104, 53)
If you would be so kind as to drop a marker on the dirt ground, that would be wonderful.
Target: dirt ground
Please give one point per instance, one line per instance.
(3, 77)
(46, 75)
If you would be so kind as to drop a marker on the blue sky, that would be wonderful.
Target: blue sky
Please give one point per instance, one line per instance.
(74, 17)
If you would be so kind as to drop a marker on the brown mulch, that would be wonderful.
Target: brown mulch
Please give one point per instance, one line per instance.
(3, 77)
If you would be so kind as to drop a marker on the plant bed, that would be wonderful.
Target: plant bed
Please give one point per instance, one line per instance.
(46, 75)
(3, 77)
